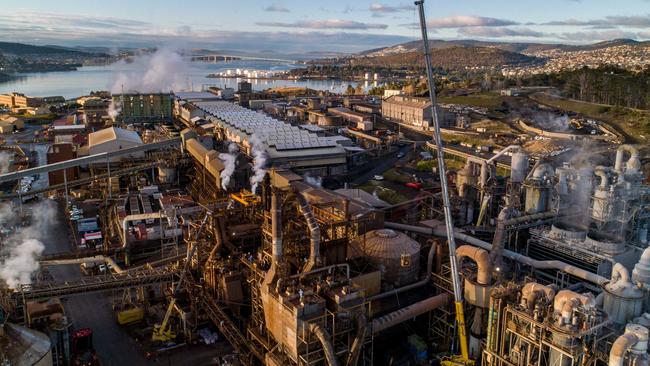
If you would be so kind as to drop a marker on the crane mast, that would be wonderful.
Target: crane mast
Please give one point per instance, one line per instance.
(463, 358)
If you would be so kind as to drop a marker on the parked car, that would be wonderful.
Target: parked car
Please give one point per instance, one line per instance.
(378, 177)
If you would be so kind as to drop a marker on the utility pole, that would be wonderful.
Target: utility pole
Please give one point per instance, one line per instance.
(463, 359)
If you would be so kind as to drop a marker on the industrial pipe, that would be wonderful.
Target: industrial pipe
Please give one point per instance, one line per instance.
(355, 350)
(276, 238)
(635, 341)
(620, 273)
(482, 259)
(551, 264)
(511, 147)
(324, 338)
(566, 301)
(633, 163)
(314, 233)
(399, 316)
(601, 172)
(542, 170)
(500, 235)
(532, 291)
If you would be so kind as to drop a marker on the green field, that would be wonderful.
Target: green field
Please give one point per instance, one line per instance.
(634, 123)
(486, 100)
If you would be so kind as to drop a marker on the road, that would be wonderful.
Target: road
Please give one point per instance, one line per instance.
(387, 163)
(113, 344)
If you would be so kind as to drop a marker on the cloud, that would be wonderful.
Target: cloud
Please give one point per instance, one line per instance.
(593, 36)
(276, 8)
(490, 32)
(462, 21)
(325, 24)
(634, 21)
(381, 8)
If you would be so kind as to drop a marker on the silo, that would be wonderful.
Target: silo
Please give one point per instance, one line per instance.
(392, 252)
(23, 346)
(519, 167)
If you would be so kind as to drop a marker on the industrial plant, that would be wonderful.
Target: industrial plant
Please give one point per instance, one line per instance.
(205, 229)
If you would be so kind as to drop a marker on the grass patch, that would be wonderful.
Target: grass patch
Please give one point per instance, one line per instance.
(493, 126)
(394, 176)
(485, 100)
(385, 194)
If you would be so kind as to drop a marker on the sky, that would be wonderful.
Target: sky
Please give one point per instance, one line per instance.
(304, 26)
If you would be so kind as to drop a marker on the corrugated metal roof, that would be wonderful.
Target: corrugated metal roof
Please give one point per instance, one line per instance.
(113, 133)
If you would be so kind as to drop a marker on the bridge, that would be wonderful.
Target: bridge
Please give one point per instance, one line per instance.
(222, 57)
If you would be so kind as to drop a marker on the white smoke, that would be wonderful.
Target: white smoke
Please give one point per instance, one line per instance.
(314, 181)
(551, 121)
(162, 71)
(22, 247)
(5, 161)
(259, 161)
(229, 160)
(114, 109)
(17, 269)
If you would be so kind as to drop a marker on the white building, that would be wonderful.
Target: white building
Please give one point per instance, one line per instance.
(114, 139)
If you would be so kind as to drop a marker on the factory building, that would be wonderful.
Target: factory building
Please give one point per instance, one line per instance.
(408, 110)
(18, 100)
(113, 139)
(138, 107)
(285, 145)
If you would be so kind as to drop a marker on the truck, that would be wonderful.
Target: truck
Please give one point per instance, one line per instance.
(82, 349)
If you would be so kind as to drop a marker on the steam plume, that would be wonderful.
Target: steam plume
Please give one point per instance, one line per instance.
(19, 257)
(114, 109)
(259, 161)
(5, 162)
(230, 161)
(161, 71)
(314, 181)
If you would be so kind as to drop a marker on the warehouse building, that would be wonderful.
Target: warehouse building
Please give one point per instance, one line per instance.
(408, 110)
(285, 145)
(113, 139)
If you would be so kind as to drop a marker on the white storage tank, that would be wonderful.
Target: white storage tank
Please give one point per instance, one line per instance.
(519, 167)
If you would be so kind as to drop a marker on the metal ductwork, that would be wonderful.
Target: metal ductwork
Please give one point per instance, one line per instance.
(482, 259)
(324, 339)
(314, 233)
(551, 264)
(532, 291)
(634, 340)
(406, 313)
(633, 163)
(566, 301)
(276, 238)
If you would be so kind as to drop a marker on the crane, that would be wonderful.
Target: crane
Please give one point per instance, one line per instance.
(463, 358)
(163, 332)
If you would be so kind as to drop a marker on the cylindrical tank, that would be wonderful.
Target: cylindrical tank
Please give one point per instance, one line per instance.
(622, 301)
(537, 196)
(566, 341)
(519, 167)
(464, 179)
(24, 346)
(392, 252)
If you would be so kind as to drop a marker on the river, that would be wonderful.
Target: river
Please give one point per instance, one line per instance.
(72, 84)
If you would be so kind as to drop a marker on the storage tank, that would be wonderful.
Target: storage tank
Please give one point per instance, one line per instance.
(623, 301)
(23, 346)
(519, 167)
(392, 252)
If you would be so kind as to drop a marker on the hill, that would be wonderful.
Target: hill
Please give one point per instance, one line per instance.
(518, 47)
(21, 49)
(453, 57)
